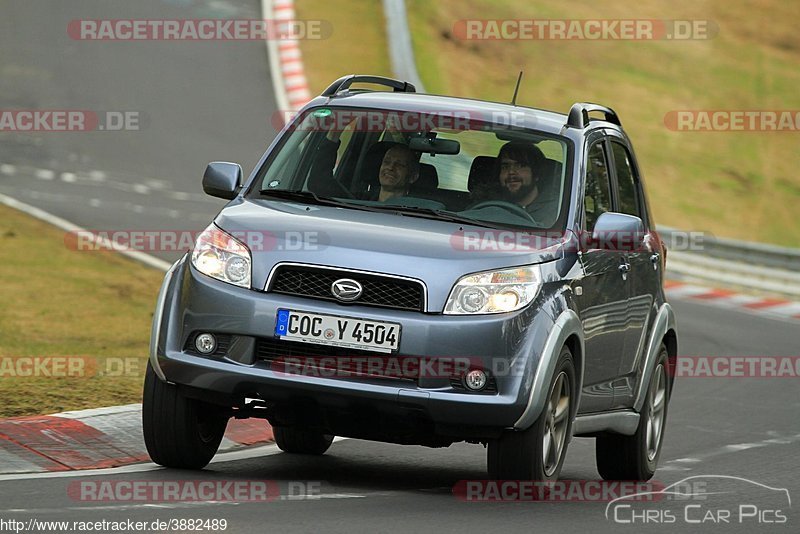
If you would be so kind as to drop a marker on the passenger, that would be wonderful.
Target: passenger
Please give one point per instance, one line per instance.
(518, 171)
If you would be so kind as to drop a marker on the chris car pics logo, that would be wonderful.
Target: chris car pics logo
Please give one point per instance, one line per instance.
(705, 500)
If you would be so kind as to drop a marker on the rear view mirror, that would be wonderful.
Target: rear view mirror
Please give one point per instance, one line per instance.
(435, 146)
(617, 231)
(222, 179)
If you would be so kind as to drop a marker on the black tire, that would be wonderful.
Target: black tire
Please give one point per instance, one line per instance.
(633, 457)
(179, 432)
(519, 455)
(301, 440)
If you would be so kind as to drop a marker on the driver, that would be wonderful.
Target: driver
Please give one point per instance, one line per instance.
(399, 169)
(518, 171)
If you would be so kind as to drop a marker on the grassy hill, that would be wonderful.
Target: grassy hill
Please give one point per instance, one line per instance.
(92, 306)
(733, 184)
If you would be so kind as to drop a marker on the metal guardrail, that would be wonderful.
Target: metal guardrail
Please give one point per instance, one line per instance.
(733, 263)
(734, 274)
(760, 254)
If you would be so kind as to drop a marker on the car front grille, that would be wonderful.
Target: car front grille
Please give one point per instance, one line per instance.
(378, 290)
(323, 360)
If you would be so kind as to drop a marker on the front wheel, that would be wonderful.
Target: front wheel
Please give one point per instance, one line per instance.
(636, 457)
(538, 452)
(178, 431)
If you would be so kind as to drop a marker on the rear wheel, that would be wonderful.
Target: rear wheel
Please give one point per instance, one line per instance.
(538, 452)
(301, 440)
(178, 431)
(636, 457)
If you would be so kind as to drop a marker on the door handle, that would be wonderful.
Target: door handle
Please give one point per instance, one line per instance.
(624, 269)
(655, 258)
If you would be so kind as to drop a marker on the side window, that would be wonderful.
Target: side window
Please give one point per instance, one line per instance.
(597, 199)
(626, 181)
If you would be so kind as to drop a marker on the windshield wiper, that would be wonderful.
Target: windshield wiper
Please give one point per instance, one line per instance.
(431, 213)
(301, 196)
(309, 197)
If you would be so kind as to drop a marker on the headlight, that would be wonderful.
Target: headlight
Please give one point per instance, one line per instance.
(494, 291)
(221, 256)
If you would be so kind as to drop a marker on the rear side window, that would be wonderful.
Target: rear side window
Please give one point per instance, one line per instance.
(626, 181)
(597, 199)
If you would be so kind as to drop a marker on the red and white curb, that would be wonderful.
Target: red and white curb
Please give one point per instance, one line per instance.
(95, 439)
(286, 60)
(724, 298)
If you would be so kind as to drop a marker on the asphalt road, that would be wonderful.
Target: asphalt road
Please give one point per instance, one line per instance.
(195, 102)
(717, 427)
(206, 101)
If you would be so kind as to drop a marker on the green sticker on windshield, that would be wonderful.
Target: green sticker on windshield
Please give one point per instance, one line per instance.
(322, 112)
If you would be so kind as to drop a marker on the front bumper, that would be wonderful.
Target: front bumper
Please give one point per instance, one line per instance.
(390, 409)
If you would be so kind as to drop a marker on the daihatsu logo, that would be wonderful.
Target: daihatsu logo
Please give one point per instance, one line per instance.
(346, 289)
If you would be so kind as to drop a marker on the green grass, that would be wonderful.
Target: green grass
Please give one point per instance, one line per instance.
(741, 185)
(357, 44)
(61, 303)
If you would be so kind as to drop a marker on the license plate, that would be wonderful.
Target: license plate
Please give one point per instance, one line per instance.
(349, 332)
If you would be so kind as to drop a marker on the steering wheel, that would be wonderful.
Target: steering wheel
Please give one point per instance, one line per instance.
(329, 188)
(345, 192)
(508, 206)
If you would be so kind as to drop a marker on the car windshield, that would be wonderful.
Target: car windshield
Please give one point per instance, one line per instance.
(435, 165)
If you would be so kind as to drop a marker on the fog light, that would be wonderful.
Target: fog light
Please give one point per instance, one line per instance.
(475, 380)
(205, 343)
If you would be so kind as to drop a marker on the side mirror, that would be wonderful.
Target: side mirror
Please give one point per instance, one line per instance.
(618, 231)
(222, 179)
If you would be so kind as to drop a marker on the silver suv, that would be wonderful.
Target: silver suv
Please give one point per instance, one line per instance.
(423, 269)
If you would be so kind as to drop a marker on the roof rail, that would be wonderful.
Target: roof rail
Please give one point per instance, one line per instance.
(579, 114)
(343, 83)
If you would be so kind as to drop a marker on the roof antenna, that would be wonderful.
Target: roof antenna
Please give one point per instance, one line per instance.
(516, 90)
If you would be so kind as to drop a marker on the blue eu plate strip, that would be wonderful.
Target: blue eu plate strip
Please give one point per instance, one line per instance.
(282, 323)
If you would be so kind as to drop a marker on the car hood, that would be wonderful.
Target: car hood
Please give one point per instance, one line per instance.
(436, 252)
